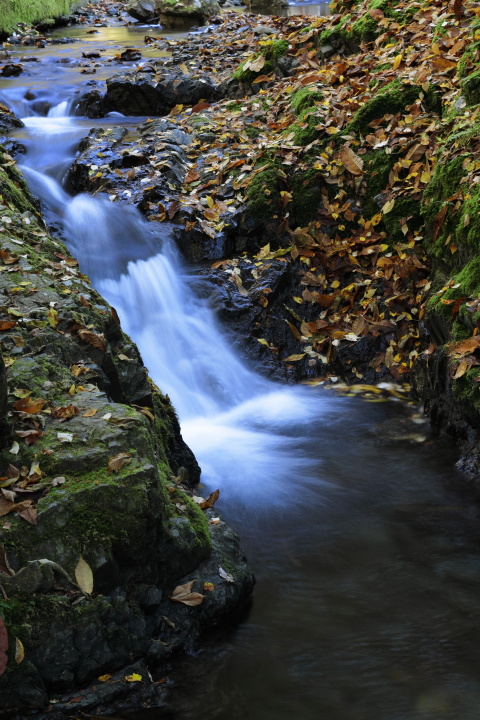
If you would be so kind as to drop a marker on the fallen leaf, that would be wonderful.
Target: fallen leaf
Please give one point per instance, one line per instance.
(118, 461)
(225, 576)
(19, 651)
(66, 412)
(90, 413)
(294, 358)
(30, 406)
(134, 677)
(84, 576)
(104, 678)
(65, 437)
(351, 160)
(211, 500)
(184, 594)
(95, 339)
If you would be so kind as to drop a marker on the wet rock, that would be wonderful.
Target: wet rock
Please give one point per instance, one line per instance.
(11, 70)
(146, 93)
(8, 122)
(173, 13)
(142, 10)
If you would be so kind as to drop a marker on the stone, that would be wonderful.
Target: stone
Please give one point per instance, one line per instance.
(173, 13)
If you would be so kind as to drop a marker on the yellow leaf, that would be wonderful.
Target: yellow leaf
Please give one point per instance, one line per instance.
(262, 341)
(294, 358)
(104, 678)
(71, 390)
(84, 576)
(19, 651)
(425, 177)
(135, 677)
(52, 317)
(332, 130)
(90, 413)
(397, 61)
(388, 206)
(210, 201)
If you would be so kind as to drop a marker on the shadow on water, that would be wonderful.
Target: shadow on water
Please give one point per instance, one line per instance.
(367, 554)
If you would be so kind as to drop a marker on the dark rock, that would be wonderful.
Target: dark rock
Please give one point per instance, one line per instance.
(142, 93)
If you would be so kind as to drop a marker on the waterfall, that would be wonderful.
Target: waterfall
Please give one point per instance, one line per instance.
(243, 429)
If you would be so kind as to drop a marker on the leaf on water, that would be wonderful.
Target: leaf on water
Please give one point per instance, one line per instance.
(225, 576)
(95, 339)
(184, 594)
(3, 646)
(19, 651)
(211, 500)
(118, 461)
(84, 576)
(29, 405)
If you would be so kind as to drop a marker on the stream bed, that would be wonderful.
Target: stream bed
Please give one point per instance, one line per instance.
(363, 537)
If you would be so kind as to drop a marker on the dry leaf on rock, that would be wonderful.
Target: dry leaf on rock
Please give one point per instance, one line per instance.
(118, 461)
(184, 594)
(84, 576)
(30, 406)
(225, 576)
(19, 651)
(211, 500)
(94, 339)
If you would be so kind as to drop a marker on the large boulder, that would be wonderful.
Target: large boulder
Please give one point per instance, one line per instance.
(173, 13)
(156, 93)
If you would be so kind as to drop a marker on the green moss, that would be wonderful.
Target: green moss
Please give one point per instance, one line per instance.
(272, 51)
(263, 192)
(305, 98)
(306, 195)
(377, 166)
(30, 11)
(466, 391)
(393, 98)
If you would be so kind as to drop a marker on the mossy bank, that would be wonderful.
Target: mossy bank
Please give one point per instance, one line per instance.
(75, 395)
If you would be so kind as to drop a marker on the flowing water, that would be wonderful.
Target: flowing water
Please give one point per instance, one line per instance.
(367, 555)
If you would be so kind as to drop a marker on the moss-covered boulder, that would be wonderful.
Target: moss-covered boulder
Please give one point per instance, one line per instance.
(174, 13)
(94, 470)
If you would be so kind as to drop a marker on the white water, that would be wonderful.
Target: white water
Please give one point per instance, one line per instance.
(245, 431)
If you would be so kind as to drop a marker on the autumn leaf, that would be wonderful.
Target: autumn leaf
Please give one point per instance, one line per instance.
(19, 651)
(183, 594)
(211, 500)
(90, 413)
(7, 258)
(94, 339)
(65, 413)
(256, 64)
(294, 358)
(118, 461)
(30, 406)
(7, 324)
(134, 677)
(351, 160)
(225, 575)
(84, 576)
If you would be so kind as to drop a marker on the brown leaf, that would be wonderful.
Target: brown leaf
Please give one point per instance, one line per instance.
(211, 500)
(7, 324)
(8, 259)
(351, 161)
(118, 461)
(94, 339)
(66, 412)
(458, 9)
(256, 64)
(376, 13)
(184, 594)
(29, 405)
(90, 413)
(200, 106)
(173, 209)
(464, 347)
(3, 646)
(30, 514)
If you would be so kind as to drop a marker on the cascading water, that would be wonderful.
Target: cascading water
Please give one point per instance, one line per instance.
(368, 568)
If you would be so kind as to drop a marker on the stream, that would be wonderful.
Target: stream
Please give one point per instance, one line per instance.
(364, 541)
